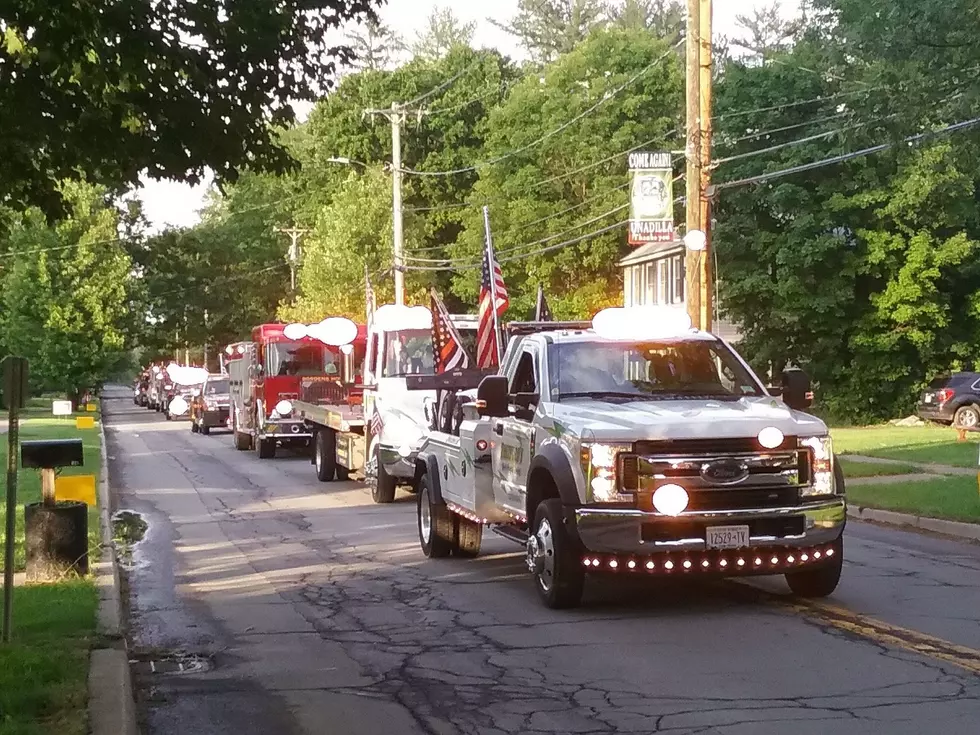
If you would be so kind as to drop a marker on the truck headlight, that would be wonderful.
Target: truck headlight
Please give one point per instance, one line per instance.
(821, 466)
(599, 465)
(284, 408)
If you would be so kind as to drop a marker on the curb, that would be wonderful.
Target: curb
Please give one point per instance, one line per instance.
(968, 531)
(111, 706)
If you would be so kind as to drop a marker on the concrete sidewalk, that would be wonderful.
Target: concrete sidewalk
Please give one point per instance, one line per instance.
(926, 468)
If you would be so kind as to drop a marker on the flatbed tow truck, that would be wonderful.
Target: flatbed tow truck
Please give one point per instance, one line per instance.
(372, 430)
(637, 446)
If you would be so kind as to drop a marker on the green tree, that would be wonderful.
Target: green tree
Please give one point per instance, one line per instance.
(113, 89)
(373, 46)
(444, 31)
(552, 180)
(549, 28)
(665, 18)
(66, 305)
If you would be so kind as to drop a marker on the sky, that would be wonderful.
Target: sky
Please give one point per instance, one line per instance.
(172, 203)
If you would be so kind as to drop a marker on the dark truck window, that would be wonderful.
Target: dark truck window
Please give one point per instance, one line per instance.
(641, 370)
(216, 387)
(293, 358)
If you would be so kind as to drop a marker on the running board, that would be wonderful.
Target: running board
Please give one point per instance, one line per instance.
(511, 533)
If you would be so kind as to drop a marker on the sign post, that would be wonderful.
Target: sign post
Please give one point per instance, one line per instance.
(651, 197)
(14, 394)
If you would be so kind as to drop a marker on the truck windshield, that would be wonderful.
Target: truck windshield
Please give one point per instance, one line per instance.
(293, 358)
(644, 370)
(216, 387)
(408, 352)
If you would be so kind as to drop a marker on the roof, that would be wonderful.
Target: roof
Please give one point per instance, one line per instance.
(652, 251)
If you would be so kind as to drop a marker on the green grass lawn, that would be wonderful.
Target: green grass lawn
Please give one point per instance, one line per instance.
(44, 670)
(853, 469)
(930, 444)
(953, 498)
(37, 423)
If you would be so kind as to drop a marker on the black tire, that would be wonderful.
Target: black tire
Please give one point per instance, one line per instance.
(343, 474)
(821, 581)
(967, 417)
(166, 415)
(194, 427)
(383, 490)
(467, 538)
(325, 455)
(243, 441)
(435, 536)
(266, 448)
(561, 585)
(205, 429)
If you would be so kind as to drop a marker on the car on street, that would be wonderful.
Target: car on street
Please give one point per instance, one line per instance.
(953, 399)
(186, 394)
(211, 405)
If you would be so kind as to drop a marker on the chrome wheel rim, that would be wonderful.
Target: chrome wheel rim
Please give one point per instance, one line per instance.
(425, 516)
(541, 555)
(968, 419)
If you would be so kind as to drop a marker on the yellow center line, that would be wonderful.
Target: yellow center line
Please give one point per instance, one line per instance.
(885, 633)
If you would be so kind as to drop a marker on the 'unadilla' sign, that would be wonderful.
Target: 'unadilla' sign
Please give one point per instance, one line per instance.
(651, 197)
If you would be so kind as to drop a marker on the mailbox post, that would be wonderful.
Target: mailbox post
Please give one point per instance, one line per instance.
(56, 534)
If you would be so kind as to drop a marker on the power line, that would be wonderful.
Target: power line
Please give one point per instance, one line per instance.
(445, 85)
(798, 103)
(596, 164)
(785, 128)
(561, 128)
(762, 178)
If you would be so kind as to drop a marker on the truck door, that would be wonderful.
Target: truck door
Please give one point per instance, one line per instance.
(513, 437)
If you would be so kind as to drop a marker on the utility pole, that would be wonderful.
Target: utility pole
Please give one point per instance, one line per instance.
(692, 179)
(396, 116)
(697, 265)
(706, 69)
(294, 233)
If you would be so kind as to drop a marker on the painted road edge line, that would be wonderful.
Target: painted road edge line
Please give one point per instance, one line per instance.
(957, 529)
(111, 706)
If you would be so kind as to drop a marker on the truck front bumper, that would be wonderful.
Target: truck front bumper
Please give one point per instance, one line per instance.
(629, 531)
(287, 430)
(395, 464)
(217, 417)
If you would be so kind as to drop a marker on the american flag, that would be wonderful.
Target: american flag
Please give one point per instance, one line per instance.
(486, 333)
(377, 425)
(447, 345)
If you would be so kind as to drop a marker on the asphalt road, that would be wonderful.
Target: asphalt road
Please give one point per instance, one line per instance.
(316, 612)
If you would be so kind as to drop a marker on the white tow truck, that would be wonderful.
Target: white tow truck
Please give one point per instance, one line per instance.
(638, 446)
(374, 429)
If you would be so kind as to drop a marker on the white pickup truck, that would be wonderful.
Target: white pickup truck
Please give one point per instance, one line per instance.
(637, 447)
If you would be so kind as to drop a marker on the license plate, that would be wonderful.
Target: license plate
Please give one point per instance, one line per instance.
(727, 537)
(928, 399)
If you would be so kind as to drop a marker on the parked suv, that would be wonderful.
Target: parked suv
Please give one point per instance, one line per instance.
(211, 405)
(952, 400)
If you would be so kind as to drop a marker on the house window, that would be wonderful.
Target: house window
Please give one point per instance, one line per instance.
(637, 285)
(651, 283)
(677, 268)
(663, 282)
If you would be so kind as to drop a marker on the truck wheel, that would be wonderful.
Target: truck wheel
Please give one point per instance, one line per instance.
(194, 427)
(967, 417)
(266, 448)
(468, 538)
(325, 455)
(436, 524)
(205, 429)
(166, 415)
(243, 441)
(384, 489)
(819, 582)
(553, 559)
(343, 474)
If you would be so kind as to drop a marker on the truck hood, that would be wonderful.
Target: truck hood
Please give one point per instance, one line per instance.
(681, 419)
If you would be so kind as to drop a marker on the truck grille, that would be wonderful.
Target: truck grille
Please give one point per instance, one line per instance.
(727, 474)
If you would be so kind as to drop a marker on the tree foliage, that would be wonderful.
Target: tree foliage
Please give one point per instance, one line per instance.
(549, 28)
(443, 32)
(108, 90)
(66, 305)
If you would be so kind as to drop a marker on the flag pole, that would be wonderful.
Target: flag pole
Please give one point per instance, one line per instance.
(493, 284)
(539, 304)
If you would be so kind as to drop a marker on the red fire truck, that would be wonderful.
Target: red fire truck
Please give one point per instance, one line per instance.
(269, 376)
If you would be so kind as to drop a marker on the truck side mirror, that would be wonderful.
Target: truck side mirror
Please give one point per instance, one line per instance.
(796, 392)
(492, 396)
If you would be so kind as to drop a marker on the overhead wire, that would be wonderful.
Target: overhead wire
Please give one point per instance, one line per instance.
(608, 95)
(762, 178)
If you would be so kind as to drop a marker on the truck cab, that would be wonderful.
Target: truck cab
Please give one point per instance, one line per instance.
(638, 446)
(400, 347)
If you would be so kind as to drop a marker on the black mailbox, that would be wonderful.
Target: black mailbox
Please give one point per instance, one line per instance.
(51, 453)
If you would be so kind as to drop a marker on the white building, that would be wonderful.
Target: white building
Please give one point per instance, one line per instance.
(654, 274)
